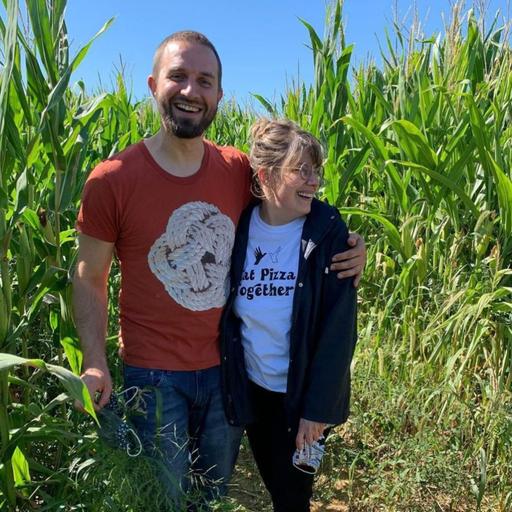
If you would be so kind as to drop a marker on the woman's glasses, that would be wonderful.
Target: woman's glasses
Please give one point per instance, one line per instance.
(306, 172)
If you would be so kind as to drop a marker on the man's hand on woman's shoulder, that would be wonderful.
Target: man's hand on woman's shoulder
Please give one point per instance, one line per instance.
(351, 262)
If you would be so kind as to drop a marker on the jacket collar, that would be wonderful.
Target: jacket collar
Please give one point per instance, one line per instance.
(318, 223)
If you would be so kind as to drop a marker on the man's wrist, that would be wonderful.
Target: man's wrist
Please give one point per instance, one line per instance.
(99, 362)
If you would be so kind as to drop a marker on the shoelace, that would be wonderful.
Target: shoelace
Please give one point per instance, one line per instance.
(308, 459)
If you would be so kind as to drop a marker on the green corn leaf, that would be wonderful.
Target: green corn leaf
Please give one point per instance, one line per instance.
(53, 279)
(501, 181)
(73, 353)
(4, 317)
(20, 467)
(9, 56)
(414, 144)
(390, 230)
(43, 37)
(268, 106)
(85, 49)
(71, 382)
(444, 181)
(381, 151)
(21, 191)
(316, 42)
(504, 190)
(354, 166)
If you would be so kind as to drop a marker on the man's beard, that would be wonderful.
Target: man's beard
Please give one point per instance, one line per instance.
(186, 128)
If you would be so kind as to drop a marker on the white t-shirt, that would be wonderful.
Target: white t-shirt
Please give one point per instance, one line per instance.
(265, 298)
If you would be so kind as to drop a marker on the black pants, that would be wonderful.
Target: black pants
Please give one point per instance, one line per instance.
(273, 446)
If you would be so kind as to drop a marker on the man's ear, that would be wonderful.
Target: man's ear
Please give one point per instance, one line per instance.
(220, 95)
(152, 84)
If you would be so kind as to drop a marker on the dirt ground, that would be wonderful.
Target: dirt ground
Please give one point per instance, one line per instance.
(248, 490)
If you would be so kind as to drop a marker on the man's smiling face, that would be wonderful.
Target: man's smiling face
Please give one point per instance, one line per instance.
(185, 84)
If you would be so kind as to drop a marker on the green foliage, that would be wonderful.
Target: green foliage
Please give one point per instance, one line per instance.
(418, 159)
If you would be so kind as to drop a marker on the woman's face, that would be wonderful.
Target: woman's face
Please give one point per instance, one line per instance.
(293, 193)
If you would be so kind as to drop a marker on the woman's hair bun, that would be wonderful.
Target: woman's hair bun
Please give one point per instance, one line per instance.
(260, 127)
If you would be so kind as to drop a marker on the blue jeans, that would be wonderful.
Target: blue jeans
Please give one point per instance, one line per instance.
(179, 416)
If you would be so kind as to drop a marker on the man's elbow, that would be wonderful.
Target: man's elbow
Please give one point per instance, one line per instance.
(83, 280)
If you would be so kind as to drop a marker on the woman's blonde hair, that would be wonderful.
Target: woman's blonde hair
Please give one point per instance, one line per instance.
(278, 143)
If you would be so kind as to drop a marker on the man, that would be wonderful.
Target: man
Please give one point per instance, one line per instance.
(168, 207)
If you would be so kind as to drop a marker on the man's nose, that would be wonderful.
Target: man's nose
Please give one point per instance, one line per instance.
(189, 89)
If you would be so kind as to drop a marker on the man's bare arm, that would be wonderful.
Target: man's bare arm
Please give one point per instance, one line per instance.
(90, 312)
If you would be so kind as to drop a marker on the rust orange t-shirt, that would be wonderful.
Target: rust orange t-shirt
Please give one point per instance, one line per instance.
(173, 238)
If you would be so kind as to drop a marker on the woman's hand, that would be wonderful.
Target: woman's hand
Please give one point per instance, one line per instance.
(309, 432)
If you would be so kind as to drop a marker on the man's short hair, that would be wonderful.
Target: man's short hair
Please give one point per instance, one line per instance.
(187, 36)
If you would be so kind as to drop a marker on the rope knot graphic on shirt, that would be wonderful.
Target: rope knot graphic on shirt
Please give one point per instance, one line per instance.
(192, 257)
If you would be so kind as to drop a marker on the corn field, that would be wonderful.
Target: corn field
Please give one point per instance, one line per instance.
(418, 160)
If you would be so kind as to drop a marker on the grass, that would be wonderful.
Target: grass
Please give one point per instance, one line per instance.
(394, 455)
(419, 159)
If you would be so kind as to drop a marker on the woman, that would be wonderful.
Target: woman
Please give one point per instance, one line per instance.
(289, 327)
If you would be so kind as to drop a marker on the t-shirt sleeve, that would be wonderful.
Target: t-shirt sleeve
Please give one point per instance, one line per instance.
(98, 212)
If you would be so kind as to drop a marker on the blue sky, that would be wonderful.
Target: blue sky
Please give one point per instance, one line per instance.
(261, 44)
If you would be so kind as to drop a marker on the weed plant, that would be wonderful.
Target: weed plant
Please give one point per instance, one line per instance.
(419, 159)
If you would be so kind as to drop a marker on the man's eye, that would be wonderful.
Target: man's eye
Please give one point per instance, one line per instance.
(205, 83)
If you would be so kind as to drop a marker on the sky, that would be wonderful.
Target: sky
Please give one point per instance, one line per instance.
(262, 45)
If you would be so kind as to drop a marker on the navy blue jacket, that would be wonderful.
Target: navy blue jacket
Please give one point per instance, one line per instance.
(323, 332)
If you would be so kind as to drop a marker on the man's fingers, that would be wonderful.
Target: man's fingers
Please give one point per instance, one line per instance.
(78, 406)
(352, 241)
(105, 396)
(347, 264)
(355, 271)
(99, 385)
(98, 405)
(348, 271)
(350, 263)
(349, 256)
